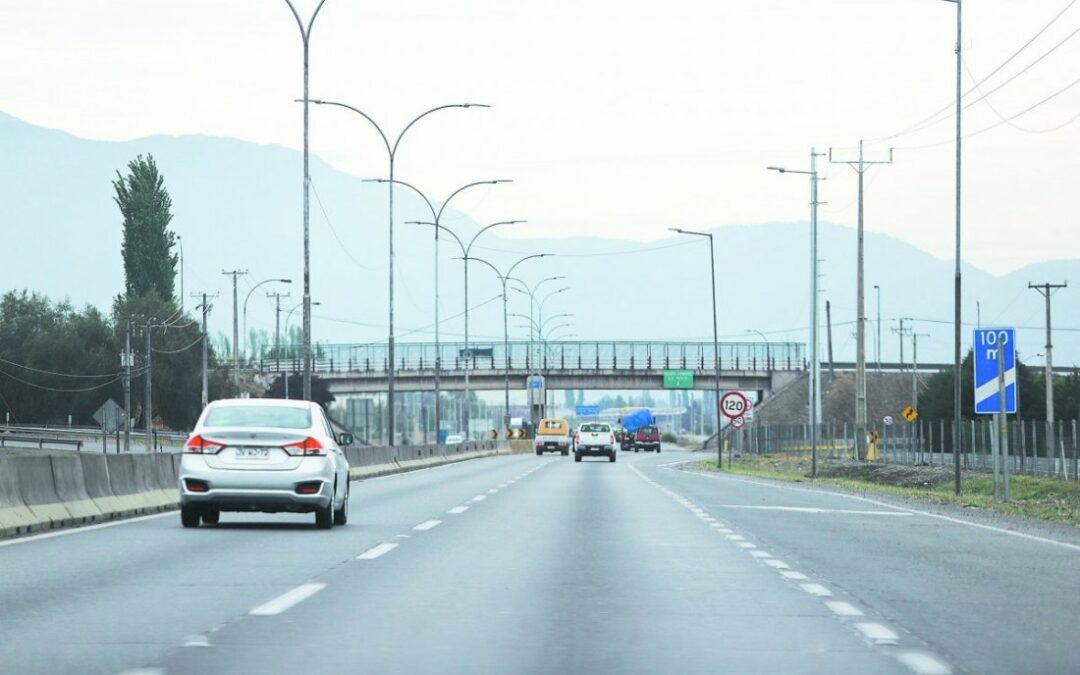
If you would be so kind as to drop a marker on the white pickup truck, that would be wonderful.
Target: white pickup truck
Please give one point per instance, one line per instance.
(594, 439)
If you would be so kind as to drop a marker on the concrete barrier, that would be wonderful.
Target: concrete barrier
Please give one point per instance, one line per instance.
(96, 479)
(71, 488)
(38, 490)
(15, 518)
(49, 490)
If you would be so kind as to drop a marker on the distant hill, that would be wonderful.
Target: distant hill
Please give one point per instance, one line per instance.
(238, 204)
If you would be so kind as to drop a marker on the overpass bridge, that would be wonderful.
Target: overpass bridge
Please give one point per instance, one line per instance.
(593, 365)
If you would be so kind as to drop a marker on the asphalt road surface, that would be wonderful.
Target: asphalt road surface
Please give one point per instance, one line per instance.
(525, 564)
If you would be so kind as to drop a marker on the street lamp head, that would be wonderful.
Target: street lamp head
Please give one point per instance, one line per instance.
(475, 105)
(285, 281)
(676, 229)
(776, 168)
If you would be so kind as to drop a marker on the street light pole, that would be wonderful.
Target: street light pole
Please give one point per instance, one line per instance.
(503, 279)
(288, 317)
(877, 342)
(465, 249)
(716, 342)
(436, 215)
(814, 406)
(248, 297)
(305, 35)
(768, 347)
(391, 150)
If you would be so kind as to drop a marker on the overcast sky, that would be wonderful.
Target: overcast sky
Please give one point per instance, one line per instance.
(614, 118)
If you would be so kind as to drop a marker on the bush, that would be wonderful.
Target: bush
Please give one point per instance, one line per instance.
(668, 437)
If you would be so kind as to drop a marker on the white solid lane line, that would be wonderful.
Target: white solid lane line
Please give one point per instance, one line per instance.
(843, 608)
(427, 525)
(288, 599)
(80, 530)
(875, 502)
(813, 509)
(376, 551)
(458, 509)
(877, 632)
(816, 589)
(923, 664)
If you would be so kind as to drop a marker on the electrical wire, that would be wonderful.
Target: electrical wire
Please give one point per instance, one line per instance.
(934, 118)
(49, 372)
(1030, 108)
(333, 231)
(648, 249)
(58, 390)
(177, 351)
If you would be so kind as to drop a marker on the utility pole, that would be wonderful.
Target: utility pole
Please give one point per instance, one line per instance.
(915, 367)
(901, 332)
(205, 306)
(235, 274)
(828, 331)
(127, 360)
(277, 322)
(860, 166)
(1046, 290)
(877, 342)
(149, 412)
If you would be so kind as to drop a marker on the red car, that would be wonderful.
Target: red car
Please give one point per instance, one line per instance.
(647, 438)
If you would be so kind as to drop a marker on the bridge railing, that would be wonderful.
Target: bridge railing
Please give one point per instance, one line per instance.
(698, 356)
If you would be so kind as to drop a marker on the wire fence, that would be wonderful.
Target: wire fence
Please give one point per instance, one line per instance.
(927, 443)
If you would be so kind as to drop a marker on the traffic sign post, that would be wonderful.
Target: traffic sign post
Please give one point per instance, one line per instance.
(734, 404)
(996, 392)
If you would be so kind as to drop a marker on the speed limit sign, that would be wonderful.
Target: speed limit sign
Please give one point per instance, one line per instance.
(733, 404)
(738, 422)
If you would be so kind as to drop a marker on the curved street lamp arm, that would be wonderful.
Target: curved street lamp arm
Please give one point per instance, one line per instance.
(438, 216)
(528, 257)
(408, 185)
(552, 318)
(363, 114)
(485, 229)
(499, 274)
(443, 228)
(550, 295)
(393, 150)
(305, 33)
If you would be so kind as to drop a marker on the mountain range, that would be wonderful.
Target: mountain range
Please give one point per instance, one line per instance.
(238, 205)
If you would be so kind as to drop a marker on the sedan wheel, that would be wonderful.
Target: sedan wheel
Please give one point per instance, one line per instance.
(324, 517)
(341, 516)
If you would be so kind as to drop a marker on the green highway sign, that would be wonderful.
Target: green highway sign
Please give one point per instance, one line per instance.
(678, 379)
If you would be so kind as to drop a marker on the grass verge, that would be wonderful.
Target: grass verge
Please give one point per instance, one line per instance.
(1032, 496)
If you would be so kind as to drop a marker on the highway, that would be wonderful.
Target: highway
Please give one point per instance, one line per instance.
(525, 564)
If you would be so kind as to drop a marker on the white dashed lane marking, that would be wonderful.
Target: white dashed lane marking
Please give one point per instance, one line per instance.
(458, 509)
(288, 599)
(479, 498)
(816, 589)
(878, 633)
(376, 551)
(923, 664)
(843, 608)
(427, 525)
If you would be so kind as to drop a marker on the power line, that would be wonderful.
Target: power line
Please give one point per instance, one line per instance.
(182, 349)
(49, 372)
(333, 231)
(935, 118)
(58, 390)
(648, 249)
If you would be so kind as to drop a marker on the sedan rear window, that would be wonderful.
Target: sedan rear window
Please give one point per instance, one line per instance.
(271, 416)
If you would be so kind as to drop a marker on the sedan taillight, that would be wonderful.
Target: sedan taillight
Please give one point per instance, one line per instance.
(306, 448)
(197, 445)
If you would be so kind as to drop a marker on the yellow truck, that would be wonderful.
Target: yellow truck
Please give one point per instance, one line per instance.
(553, 435)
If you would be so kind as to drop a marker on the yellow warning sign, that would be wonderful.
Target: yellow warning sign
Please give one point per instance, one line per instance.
(494, 434)
(910, 414)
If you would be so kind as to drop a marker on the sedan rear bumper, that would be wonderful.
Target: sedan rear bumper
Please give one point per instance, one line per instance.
(255, 490)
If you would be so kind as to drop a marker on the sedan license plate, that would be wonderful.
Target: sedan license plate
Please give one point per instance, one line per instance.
(252, 453)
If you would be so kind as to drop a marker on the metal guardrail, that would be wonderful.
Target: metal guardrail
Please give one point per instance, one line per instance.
(928, 443)
(487, 355)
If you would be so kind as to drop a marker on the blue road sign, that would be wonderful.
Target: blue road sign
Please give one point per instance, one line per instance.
(990, 345)
(536, 384)
(587, 410)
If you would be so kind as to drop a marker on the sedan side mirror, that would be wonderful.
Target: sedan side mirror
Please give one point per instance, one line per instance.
(345, 438)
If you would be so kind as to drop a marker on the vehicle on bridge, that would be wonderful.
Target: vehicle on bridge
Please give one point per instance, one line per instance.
(265, 455)
(595, 439)
(553, 435)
